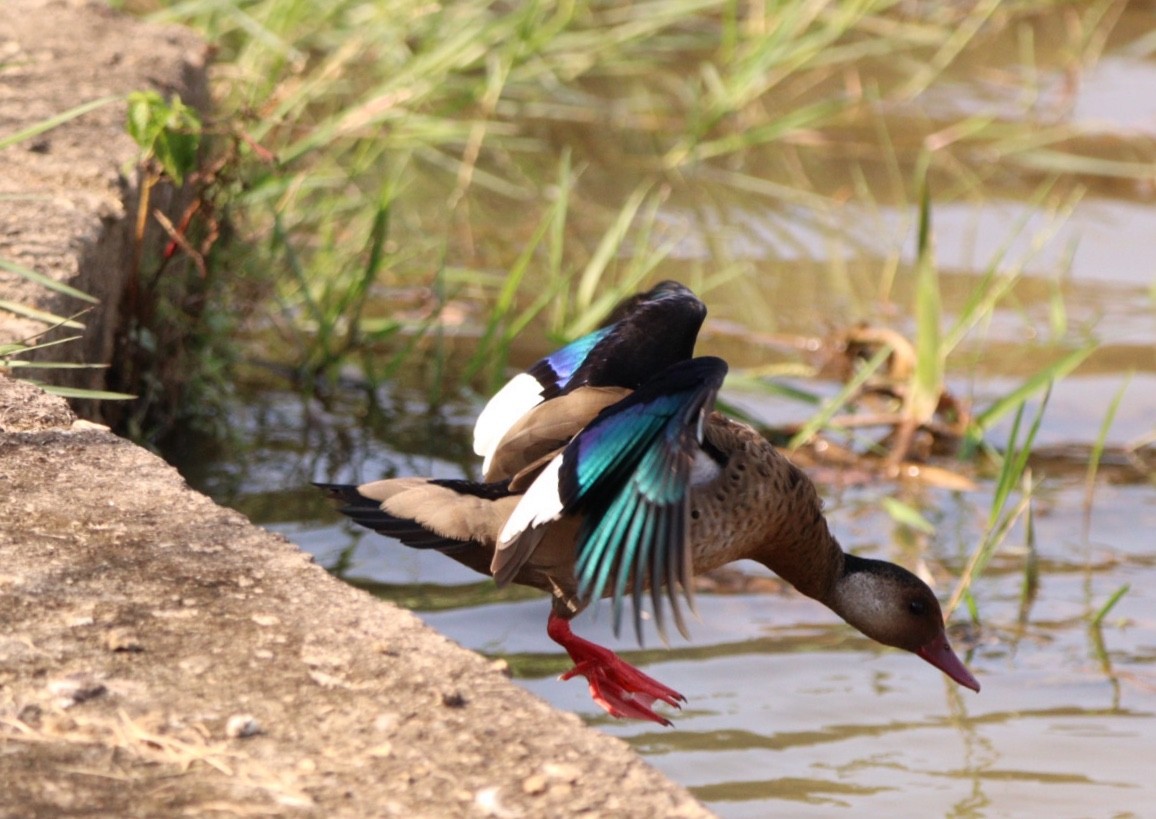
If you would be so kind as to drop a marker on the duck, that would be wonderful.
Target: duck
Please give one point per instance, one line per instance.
(607, 473)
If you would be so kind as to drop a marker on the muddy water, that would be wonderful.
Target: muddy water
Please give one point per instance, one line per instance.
(790, 712)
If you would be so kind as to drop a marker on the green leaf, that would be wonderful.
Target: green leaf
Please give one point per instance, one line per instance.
(168, 131)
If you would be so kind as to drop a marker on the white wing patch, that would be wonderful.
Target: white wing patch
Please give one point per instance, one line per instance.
(520, 395)
(539, 505)
(704, 469)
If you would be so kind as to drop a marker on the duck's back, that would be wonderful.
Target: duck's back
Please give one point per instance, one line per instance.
(759, 506)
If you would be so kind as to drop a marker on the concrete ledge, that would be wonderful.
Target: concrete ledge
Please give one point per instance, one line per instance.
(160, 655)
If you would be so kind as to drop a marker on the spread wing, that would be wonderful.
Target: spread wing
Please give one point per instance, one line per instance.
(628, 474)
(643, 335)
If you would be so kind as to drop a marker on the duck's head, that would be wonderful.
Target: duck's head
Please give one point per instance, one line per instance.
(894, 607)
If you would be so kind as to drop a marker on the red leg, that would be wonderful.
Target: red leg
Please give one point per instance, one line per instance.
(615, 684)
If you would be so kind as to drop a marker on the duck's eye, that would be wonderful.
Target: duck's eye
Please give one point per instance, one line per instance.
(917, 607)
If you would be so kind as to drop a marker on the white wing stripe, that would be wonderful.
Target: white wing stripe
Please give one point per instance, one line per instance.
(520, 395)
(539, 505)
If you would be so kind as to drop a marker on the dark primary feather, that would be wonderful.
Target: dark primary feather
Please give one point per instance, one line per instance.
(643, 335)
(647, 334)
(487, 490)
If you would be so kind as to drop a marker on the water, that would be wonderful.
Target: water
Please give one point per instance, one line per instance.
(789, 711)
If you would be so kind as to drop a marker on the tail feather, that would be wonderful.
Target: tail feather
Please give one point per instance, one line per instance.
(459, 518)
(367, 512)
(347, 493)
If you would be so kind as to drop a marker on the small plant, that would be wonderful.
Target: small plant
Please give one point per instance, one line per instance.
(167, 131)
(177, 309)
(1013, 472)
(168, 134)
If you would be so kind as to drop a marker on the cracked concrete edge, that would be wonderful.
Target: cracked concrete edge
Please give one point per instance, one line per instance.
(69, 195)
(161, 655)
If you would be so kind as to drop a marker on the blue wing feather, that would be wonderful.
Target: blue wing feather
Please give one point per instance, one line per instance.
(628, 474)
(555, 371)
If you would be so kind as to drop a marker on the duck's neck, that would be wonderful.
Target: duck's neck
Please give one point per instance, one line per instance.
(809, 558)
(767, 510)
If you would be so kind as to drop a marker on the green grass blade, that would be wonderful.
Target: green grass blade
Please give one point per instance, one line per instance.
(76, 392)
(1055, 371)
(23, 347)
(39, 315)
(55, 121)
(1110, 604)
(49, 365)
(927, 385)
(1098, 451)
(46, 282)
